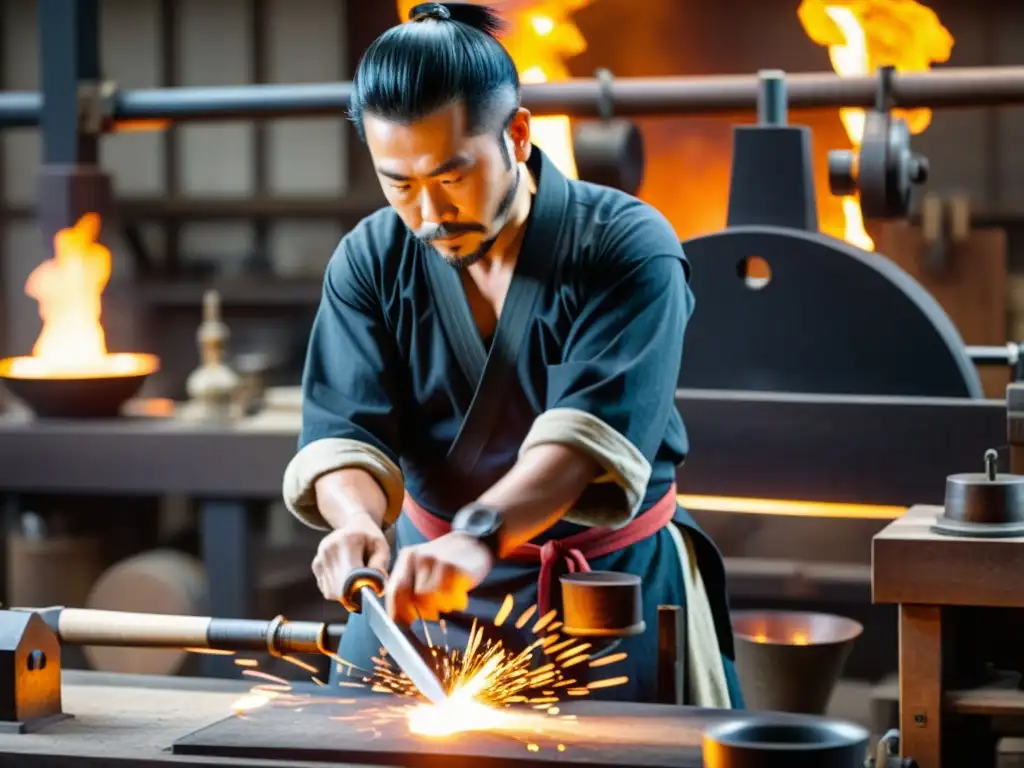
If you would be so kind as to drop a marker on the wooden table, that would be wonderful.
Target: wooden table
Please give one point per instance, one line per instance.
(928, 575)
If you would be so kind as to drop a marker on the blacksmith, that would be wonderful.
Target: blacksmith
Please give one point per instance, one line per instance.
(493, 366)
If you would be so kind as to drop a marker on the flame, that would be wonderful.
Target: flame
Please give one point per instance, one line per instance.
(540, 38)
(796, 638)
(69, 287)
(861, 36)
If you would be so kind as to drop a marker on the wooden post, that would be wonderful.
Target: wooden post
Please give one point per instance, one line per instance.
(921, 684)
(671, 655)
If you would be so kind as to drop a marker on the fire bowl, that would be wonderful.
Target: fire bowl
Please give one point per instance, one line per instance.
(790, 661)
(77, 395)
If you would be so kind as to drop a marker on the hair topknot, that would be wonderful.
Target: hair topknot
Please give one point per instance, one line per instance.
(445, 53)
(477, 16)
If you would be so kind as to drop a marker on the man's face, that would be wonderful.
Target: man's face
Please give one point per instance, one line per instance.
(452, 190)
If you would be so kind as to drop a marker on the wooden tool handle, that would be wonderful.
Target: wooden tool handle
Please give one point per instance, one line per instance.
(84, 626)
(352, 590)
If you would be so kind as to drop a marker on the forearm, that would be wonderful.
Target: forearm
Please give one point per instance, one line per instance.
(346, 493)
(541, 487)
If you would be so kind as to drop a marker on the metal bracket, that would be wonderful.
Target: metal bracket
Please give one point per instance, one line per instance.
(605, 96)
(96, 106)
(887, 753)
(945, 224)
(884, 170)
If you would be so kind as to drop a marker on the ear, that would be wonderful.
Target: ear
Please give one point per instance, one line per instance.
(519, 131)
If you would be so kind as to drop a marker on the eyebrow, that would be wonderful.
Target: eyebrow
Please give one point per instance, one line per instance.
(452, 164)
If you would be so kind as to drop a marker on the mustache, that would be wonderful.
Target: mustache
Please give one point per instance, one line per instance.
(428, 233)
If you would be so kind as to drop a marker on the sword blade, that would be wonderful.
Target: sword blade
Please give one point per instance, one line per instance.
(401, 648)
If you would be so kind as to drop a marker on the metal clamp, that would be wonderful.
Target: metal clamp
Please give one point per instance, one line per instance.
(96, 101)
(605, 95)
(272, 629)
(884, 99)
(945, 224)
(887, 753)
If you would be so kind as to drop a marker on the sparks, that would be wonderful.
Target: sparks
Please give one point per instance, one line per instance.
(486, 679)
(490, 687)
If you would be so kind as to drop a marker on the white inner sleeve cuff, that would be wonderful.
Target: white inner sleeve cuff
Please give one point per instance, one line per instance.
(623, 463)
(329, 455)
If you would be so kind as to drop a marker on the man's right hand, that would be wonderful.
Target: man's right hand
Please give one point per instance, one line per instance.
(359, 543)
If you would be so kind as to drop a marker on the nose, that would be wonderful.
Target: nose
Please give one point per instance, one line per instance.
(434, 207)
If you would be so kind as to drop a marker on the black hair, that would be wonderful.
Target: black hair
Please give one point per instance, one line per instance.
(445, 53)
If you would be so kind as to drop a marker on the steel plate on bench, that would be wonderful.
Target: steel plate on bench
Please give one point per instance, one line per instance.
(602, 734)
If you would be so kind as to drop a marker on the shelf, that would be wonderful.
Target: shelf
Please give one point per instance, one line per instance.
(350, 206)
(1002, 696)
(263, 292)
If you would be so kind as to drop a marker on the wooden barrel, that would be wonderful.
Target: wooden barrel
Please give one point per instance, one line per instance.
(159, 581)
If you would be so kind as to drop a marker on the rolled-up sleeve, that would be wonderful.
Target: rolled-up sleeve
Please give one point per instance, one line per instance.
(349, 394)
(612, 394)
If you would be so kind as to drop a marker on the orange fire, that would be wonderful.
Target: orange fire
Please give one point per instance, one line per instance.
(861, 36)
(69, 288)
(540, 38)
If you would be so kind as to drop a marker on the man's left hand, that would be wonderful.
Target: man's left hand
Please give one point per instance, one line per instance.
(436, 577)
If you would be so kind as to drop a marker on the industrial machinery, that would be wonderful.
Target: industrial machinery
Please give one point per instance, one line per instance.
(826, 317)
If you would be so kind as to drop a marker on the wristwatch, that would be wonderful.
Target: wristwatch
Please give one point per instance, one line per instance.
(482, 523)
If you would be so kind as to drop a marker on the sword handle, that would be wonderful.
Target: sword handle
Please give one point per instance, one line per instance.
(352, 590)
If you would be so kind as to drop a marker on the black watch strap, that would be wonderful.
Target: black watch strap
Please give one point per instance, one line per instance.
(482, 523)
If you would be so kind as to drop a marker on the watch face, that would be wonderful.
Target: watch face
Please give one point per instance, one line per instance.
(480, 521)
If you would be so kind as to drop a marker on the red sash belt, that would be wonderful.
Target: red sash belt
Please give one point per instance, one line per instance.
(573, 550)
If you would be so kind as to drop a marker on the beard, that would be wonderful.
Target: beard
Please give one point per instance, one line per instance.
(462, 261)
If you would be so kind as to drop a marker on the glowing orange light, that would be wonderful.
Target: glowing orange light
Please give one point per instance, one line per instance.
(461, 711)
(790, 508)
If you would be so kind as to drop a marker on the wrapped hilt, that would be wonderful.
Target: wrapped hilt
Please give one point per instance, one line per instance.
(355, 583)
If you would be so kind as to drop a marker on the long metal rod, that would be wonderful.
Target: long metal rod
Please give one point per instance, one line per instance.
(580, 97)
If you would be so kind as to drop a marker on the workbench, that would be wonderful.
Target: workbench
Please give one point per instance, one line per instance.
(931, 577)
(144, 720)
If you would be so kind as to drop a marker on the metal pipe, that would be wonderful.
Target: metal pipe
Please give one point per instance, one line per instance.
(580, 97)
(1007, 354)
(84, 626)
(218, 103)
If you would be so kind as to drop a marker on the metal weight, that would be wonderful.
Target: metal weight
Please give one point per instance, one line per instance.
(610, 153)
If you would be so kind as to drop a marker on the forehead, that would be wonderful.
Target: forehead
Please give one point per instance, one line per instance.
(438, 136)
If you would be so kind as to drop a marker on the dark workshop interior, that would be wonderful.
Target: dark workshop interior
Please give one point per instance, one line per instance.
(847, 181)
